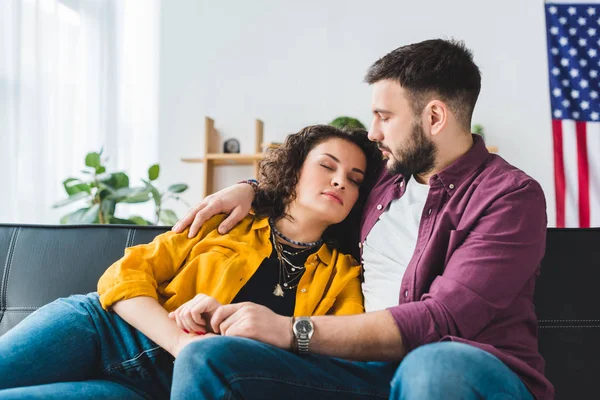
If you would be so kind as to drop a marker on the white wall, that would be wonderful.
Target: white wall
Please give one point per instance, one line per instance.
(294, 63)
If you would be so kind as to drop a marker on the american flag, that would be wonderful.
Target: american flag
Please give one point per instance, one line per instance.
(573, 37)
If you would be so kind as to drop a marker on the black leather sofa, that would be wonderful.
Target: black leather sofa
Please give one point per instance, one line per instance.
(41, 263)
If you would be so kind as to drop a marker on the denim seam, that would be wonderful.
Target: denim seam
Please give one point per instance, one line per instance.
(7, 267)
(132, 361)
(234, 378)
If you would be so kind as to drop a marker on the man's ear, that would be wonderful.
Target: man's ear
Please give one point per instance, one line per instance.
(436, 116)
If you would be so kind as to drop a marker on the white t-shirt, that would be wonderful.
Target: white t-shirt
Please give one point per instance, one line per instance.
(390, 245)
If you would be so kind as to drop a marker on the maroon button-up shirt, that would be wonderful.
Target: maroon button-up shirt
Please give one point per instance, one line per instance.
(472, 275)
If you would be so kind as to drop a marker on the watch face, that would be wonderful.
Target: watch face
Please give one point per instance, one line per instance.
(304, 326)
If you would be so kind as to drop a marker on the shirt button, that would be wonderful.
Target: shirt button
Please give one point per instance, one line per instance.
(451, 186)
(379, 206)
(360, 245)
(401, 183)
(429, 212)
(406, 293)
(303, 290)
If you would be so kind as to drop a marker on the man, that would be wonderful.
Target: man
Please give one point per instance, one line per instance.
(452, 238)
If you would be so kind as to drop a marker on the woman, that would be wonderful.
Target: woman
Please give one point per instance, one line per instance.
(286, 256)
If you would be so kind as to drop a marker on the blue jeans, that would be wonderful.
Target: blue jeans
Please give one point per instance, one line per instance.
(237, 368)
(73, 349)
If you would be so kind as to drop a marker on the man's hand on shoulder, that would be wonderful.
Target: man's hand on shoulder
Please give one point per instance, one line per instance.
(235, 200)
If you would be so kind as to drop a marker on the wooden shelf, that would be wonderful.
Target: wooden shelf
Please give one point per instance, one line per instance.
(212, 158)
(227, 158)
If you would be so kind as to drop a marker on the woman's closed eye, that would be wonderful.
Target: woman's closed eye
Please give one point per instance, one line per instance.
(354, 181)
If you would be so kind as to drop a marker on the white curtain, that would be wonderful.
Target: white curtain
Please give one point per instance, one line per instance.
(75, 76)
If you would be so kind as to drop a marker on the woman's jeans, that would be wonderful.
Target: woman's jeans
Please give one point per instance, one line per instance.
(73, 349)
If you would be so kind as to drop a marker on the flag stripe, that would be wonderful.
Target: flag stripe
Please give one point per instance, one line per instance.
(593, 145)
(559, 173)
(571, 173)
(583, 170)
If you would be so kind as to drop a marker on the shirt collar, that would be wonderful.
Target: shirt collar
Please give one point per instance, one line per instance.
(453, 175)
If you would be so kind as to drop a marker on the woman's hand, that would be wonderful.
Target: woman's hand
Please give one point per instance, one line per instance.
(194, 316)
(184, 339)
(235, 200)
(253, 321)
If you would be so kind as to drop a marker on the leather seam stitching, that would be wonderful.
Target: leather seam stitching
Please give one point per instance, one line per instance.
(128, 241)
(7, 267)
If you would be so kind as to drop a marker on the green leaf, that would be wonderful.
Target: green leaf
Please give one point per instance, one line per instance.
(153, 172)
(116, 180)
(108, 208)
(92, 160)
(69, 200)
(140, 221)
(123, 194)
(121, 179)
(100, 169)
(91, 215)
(74, 186)
(87, 215)
(156, 195)
(140, 196)
(178, 188)
(347, 123)
(115, 220)
(105, 193)
(168, 217)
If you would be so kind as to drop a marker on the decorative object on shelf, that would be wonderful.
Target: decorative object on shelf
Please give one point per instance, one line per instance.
(102, 191)
(347, 122)
(231, 146)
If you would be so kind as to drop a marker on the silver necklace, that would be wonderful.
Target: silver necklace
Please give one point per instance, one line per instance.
(287, 277)
(292, 241)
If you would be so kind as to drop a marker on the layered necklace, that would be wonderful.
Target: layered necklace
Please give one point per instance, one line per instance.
(289, 273)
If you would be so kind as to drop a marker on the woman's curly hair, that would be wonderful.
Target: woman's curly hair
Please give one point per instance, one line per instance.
(280, 171)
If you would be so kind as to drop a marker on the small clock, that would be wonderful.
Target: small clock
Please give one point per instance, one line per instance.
(231, 146)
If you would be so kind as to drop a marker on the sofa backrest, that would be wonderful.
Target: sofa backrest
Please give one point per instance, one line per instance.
(39, 264)
(569, 313)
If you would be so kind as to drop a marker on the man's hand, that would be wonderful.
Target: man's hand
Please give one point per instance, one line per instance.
(235, 200)
(253, 321)
(194, 316)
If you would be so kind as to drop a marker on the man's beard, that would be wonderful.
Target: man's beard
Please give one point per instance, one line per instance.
(417, 157)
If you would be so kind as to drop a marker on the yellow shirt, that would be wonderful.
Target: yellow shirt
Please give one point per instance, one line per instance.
(173, 269)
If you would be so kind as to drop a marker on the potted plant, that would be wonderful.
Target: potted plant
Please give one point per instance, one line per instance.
(101, 191)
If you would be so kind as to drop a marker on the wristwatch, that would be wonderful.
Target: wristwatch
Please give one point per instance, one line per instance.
(303, 329)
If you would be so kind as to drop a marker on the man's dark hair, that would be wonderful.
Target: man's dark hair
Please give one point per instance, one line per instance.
(433, 68)
(280, 171)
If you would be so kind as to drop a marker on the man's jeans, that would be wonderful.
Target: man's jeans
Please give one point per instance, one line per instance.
(237, 368)
(72, 349)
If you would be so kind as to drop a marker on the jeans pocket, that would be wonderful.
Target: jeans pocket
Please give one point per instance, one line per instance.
(150, 372)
